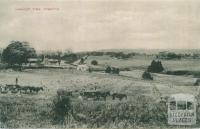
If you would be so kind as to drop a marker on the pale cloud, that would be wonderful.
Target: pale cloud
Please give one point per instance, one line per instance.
(95, 24)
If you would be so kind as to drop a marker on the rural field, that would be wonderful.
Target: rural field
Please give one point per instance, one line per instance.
(142, 109)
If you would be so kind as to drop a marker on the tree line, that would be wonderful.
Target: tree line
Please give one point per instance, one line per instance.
(18, 53)
(173, 55)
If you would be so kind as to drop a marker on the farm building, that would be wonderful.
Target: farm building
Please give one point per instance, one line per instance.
(82, 67)
(33, 60)
(50, 61)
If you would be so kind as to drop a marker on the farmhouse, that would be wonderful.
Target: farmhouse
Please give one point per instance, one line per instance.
(82, 67)
(50, 61)
(33, 61)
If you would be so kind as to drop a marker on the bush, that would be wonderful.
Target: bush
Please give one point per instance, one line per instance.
(70, 58)
(61, 107)
(115, 70)
(197, 82)
(155, 67)
(108, 69)
(94, 62)
(112, 70)
(147, 76)
(142, 110)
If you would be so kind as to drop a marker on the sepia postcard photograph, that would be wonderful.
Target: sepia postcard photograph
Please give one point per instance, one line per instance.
(100, 64)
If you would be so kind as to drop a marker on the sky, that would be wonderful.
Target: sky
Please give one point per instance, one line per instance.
(86, 25)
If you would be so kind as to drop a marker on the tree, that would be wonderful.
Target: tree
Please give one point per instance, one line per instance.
(59, 55)
(70, 58)
(108, 69)
(61, 108)
(18, 52)
(147, 76)
(94, 62)
(155, 67)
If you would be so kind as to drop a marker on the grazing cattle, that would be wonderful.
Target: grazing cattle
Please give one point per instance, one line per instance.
(24, 89)
(96, 95)
(10, 87)
(89, 94)
(36, 89)
(13, 88)
(40, 89)
(30, 89)
(120, 96)
(103, 95)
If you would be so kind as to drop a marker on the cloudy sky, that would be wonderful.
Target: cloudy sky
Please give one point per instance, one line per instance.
(101, 24)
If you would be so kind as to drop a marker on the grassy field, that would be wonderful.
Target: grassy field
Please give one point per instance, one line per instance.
(35, 110)
(141, 62)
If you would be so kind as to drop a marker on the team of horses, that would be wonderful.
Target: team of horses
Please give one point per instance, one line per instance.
(94, 95)
(19, 89)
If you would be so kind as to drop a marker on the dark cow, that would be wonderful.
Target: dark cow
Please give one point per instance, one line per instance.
(13, 88)
(30, 89)
(120, 96)
(24, 89)
(37, 89)
(96, 95)
(89, 94)
(101, 94)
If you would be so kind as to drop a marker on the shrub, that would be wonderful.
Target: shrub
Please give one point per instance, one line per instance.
(115, 70)
(147, 76)
(142, 110)
(197, 82)
(70, 58)
(155, 67)
(61, 107)
(94, 62)
(108, 69)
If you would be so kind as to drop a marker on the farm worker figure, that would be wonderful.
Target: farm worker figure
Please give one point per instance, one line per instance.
(16, 80)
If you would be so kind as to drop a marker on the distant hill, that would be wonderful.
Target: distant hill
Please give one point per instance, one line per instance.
(152, 51)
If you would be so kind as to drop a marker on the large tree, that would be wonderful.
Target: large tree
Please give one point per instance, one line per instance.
(18, 52)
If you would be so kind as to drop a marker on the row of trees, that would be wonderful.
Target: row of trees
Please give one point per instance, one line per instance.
(155, 67)
(172, 55)
(17, 53)
(118, 55)
(112, 70)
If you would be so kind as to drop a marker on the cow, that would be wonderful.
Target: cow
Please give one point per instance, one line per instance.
(96, 95)
(30, 89)
(37, 89)
(101, 94)
(13, 88)
(25, 89)
(120, 96)
(89, 94)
